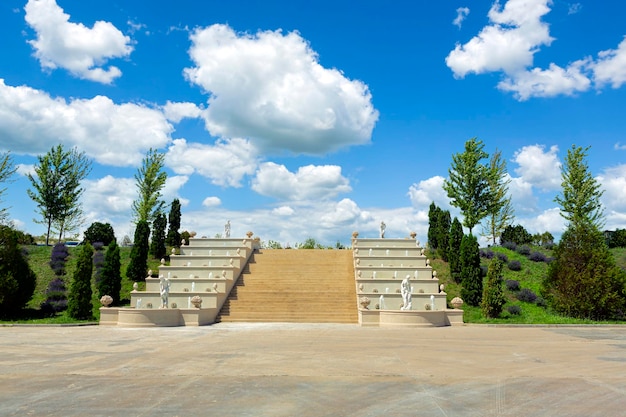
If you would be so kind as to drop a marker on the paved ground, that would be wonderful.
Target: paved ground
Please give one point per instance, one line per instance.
(312, 370)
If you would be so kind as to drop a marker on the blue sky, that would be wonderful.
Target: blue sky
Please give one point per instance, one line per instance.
(313, 119)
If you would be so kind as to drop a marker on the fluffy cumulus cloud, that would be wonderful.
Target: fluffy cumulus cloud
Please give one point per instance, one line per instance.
(81, 50)
(613, 181)
(269, 87)
(428, 191)
(539, 167)
(515, 33)
(225, 163)
(31, 122)
(308, 183)
(212, 202)
(175, 112)
(109, 200)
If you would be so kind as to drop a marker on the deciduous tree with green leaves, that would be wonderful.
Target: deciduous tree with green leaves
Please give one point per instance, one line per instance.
(150, 180)
(7, 169)
(468, 183)
(500, 210)
(56, 187)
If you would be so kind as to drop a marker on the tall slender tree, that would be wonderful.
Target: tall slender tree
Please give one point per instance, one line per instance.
(7, 169)
(56, 186)
(79, 300)
(111, 282)
(493, 296)
(468, 183)
(138, 265)
(454, 246)
(157, 246)
(471, 278)
(580, 197)
(443, 233)
(173, 234)
(500, 210)
(150, 180)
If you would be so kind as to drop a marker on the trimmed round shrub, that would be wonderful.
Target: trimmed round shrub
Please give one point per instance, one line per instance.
(515, 265)
(502, 257)
(523, 250)
(514, 310)
(526, 295)
(538, 257)
(512, 285)
(486, 253)
(509, 245)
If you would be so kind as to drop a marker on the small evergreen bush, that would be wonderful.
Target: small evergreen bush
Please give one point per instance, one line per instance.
(56, 297)
(509, 245)
(493, 297)
(523, 250)
(538, 257)
(512, 285)
(515, 265)
(541, 302)
(514, 310)
(502, 257)
(487, 253)
(526, 295)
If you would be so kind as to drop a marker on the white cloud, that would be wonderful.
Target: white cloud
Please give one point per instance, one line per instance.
(523, 199)
(539, 167)
(270, 88)
(508, 43)
(610, 67)
(225, 163)
(81, 50)
(31, 122)
(613, 181)
(548, 221)
(175, 112)
(619, 147)
(211, 202)
(108, 198)
(548, 83)
(574, 8)
(461, 14)
(172, 187)
(427, 191)
(309, 182)
(25, 169)
(283, 211)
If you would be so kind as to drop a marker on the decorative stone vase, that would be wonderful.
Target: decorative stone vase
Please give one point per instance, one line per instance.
(196, 301)
(355, 235)
(249, 234)
(365, 302)
(413, 234)
(456, 302)
(106, 300)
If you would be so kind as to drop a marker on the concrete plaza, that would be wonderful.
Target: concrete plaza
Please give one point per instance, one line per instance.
(306, 370)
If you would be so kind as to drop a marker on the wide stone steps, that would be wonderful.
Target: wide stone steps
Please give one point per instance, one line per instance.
(279, 285)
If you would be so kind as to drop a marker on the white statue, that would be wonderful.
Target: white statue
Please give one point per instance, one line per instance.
(383, 226)
(405, 289)
(227, 229)
(164, 285)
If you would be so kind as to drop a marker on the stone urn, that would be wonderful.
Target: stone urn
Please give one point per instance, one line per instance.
(456, 302)
(355, 235)
(249, 234)
(365, 302)
(413, 235)
(106, 300)
(196, 301)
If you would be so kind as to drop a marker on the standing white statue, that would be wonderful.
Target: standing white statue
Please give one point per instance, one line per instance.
(164, 285)
(383, 226)
(405, 289)
(227, 229)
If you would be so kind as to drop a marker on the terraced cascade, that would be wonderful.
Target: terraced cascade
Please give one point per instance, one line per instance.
(288, 285)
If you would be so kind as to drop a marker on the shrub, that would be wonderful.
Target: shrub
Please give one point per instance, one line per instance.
(56, 297)
(523, 250)
(515, 265)
(541, 302)
(58, 257)
(17, 279)
(512, 285)
(111, 282)
(486, 253)
(100, 232)
(502, 257)
(538, 257)
(514, 310)
(509, 245)
(526, 295)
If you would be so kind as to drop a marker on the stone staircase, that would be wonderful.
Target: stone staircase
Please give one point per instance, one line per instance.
(288, 285)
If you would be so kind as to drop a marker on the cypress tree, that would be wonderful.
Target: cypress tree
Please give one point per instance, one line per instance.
(493, 296)
(432, 226)
(471, 278)
(111, 282)
(157, 247)
(138, 265)
(17, 279)
(79, 301)
(454, 249)
(443, 233)
(173, 236)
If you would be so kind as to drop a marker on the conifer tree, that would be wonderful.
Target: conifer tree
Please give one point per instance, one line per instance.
(493, 296)
(79, 300)
(173, 234)
(157, 246)
(111, 282)
(454, 246)
(443, 233)
(138, 265)
(17, 279)
(471, 278)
